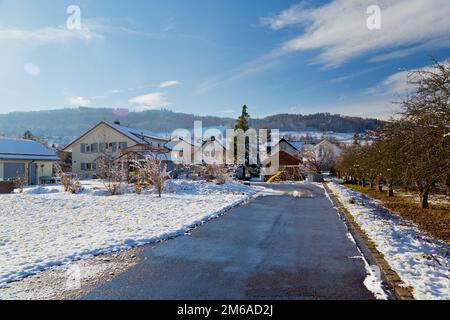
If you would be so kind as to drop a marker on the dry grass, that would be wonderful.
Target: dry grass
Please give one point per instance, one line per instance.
(434, 221)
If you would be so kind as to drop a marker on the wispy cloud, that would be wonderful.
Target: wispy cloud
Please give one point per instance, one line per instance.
(49, 34)
(151, 100)
(399, 83)
(338, 29)
(94, 28)
(251, 68)
(168, 84)
(79, 101)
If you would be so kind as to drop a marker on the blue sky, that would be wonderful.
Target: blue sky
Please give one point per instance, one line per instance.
(212, 56)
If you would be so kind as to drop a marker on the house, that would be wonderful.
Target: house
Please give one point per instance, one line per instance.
(126, 158)
(182, 150)
(27, 158)
(320, 157)
(112, 139)
(213, 151)
(287, 152)
(287, 157)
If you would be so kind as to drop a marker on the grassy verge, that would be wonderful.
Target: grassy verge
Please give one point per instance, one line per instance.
(434, 221)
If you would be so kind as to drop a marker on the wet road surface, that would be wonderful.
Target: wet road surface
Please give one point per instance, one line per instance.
(289, 244)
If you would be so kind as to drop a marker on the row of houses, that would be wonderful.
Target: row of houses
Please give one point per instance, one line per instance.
(33, 160)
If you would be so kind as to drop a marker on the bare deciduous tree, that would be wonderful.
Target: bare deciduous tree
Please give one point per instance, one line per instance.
(152, 170)
(112, 174)
(411, 149)
(318, 159)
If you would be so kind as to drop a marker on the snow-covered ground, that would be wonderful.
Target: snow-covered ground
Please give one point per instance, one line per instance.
(421, 262)
(45, 227)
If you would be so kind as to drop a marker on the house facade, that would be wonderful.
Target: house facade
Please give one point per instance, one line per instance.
(108, 138)
(27, 158)
(182, 150)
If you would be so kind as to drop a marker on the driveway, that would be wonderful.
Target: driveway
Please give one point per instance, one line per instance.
(289, 244)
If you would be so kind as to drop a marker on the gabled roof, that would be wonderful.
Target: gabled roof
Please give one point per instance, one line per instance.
(20, 149)
(297, 145)
(214, 141)
(134, 133)
(273, 144)
(137, 135)
(172, 145)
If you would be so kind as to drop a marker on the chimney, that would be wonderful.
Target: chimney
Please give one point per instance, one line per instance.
(117, 122)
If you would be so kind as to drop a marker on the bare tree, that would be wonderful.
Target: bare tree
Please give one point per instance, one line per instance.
(318, 159)
(152, 170)
(112, 174)
(413, 148)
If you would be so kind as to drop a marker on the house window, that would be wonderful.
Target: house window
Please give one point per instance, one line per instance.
(103, 147)
(88, 166)
(94, 147)
(113, 146)
(123, 145)
(83, 148)
(88, 148)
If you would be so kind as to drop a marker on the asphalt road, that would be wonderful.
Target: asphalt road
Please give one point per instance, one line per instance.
(282, 246)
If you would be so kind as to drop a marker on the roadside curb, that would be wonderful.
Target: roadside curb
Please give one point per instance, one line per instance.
(393, 282)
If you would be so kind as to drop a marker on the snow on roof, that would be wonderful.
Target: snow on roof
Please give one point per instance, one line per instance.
(21, 149)
(297, 145)
(135, 134)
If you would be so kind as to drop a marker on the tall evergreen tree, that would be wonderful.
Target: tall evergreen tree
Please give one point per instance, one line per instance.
(242, 121)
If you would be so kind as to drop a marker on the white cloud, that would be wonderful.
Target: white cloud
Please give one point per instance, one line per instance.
(79, 101)
(49, 34)
(168, 84)
(151, 100)
(398, 84)
(338, 29)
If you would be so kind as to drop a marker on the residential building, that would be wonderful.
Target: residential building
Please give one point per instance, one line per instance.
(27, 158)
(112, 139)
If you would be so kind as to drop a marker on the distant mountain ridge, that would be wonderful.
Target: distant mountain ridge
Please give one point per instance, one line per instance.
(72, 122)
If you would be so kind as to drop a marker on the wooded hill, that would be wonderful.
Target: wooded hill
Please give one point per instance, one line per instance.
(72, 122)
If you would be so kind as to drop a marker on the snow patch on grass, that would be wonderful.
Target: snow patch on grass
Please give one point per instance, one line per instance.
(422, 263)
(45, 227)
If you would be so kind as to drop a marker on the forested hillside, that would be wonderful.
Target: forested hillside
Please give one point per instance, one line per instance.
(72, 122)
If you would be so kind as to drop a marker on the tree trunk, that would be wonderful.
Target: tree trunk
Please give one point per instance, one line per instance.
(372, 185)
(391, 190)
(425, 204)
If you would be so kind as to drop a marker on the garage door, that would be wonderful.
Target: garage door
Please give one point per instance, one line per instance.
(13, 170)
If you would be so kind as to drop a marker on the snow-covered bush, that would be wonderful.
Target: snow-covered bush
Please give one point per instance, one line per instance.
(212, 172)
(70, 183)
(74, 187)
(20, 182)
(153, 171)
